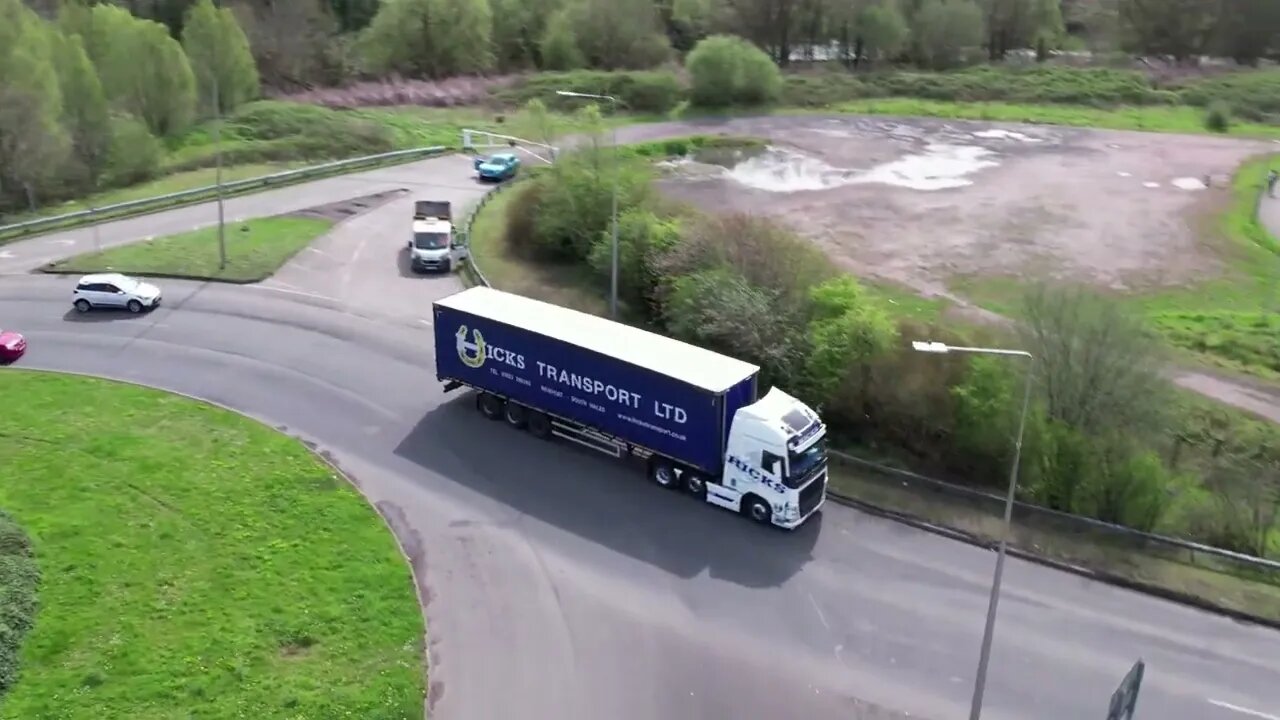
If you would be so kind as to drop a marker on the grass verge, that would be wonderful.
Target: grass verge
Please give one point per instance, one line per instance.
(197, 559)
(255, 250)
(1181, 572)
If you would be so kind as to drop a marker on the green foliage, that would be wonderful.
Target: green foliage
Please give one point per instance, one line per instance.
(945, 30)
(33, 143)
(881, 29)
(19, 581)
(558, 45)
(1246, 340)
(133, 154)
(575, 201)
(846, 329)
(84, 106)
(645, 91)
(727, 70)
(143, 70)
(429, 38)
(619, 34)
(643, 237)
(219, 54)
(1253, 95)
(1218, 117)
(273, 130)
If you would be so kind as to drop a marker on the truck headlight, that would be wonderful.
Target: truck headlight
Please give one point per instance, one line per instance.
(792, 512)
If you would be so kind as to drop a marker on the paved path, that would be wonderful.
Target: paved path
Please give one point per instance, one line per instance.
(563, 585)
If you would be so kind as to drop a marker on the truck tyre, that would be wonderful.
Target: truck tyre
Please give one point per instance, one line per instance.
(758, 510)
(695, 484)
(539, 425)
(489, 405)
(663, 473)
(516, 415)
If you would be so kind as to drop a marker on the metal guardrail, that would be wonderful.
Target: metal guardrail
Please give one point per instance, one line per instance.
(1044, 518)
(185, 197)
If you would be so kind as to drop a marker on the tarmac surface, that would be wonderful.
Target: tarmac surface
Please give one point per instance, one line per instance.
(559, 584)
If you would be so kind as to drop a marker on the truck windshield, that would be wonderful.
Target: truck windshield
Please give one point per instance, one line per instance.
(431, 241)
(802, 463)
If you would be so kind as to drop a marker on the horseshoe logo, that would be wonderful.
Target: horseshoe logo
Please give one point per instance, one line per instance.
(471, 352)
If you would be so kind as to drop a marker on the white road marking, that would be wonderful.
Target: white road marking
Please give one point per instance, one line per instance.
(819, 611)
(61, 242)
(425, 322)
(6, 254)
(1243, 710)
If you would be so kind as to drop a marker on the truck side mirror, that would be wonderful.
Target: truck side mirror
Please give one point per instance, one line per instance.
(409, 244)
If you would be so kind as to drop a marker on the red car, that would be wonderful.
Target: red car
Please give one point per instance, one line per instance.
(12, 345)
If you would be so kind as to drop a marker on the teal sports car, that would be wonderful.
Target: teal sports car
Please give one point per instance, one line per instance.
(497, 167)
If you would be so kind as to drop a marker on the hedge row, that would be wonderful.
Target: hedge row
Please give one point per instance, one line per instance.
(19, 579)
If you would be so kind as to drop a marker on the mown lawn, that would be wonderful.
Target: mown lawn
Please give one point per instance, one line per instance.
(255, 250)
(197, 564)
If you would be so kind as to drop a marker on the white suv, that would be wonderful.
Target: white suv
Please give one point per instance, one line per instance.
(113, 290)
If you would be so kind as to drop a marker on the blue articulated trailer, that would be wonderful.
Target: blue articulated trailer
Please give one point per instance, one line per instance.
(693, 414)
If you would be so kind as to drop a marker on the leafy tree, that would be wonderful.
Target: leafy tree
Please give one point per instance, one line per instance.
(33, 144)
(617, 34)
(84, 106)
(220, 58)
(846, 330)
(519, 27)
(558, 46)
(881, 31)
(429, 38)
(1179, 28)
(944, 30)
(1019, 23)
(134, 153)
(1247, 29)
(293, 43)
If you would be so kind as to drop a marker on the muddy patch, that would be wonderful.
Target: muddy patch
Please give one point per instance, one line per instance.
(346, 209)
(923, 202)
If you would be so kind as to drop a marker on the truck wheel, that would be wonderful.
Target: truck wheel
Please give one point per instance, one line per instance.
(516, 415)
(663, 473)
(539, 425)
(489, 405)
(695, 484)
(758, 510)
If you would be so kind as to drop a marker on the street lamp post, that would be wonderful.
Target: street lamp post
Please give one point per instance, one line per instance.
(984, 658)
(613, 268)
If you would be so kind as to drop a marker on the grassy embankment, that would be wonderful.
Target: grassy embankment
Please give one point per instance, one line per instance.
(193, 557)
(255, 250)
(573, 286)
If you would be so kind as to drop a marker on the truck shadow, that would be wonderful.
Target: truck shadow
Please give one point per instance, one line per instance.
(606, 501)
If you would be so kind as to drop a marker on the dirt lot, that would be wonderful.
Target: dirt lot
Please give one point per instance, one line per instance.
(921, 201)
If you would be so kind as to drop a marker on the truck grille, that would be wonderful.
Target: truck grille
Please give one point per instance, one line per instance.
(812, 494)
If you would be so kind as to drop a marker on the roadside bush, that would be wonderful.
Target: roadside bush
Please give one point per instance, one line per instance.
(133, 154)
(846, 330)
(19, 580)
(1253, 95)
(647, 91)
(1218, 117)
(727, 70)
(643, 237)
(574, 201)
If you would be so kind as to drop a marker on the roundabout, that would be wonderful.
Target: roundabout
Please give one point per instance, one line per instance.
(557, 585)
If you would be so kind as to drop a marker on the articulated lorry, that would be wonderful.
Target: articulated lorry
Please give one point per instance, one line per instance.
(693, 414)
(434, 245)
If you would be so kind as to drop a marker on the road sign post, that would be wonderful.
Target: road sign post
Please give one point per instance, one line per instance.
(1125, 698)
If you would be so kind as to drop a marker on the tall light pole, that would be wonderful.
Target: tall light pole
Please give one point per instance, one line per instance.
(613, 268)
(217, 149)
(980, 682)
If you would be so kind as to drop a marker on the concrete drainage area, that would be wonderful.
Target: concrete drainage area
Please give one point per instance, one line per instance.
(346, 209)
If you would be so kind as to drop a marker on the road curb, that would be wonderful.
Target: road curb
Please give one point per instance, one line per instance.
(1099, 575)
(319, 453)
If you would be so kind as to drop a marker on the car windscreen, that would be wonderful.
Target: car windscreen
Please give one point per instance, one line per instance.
(430, 241)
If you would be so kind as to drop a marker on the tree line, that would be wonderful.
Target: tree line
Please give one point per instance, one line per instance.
(88, 95)
(1107, 436)
(316, 42)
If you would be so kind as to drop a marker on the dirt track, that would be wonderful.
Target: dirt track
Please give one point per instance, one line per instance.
(922, 201)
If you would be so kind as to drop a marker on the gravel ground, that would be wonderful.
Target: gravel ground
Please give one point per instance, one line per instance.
(921, 201)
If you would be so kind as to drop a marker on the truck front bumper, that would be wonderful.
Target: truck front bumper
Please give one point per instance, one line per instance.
(793, 524)
(430, 265)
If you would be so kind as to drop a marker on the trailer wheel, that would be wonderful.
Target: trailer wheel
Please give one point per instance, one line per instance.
(695, 484)
(516, 415)
(489, 405)
(663, 473)
(758, 510)
(539, 425)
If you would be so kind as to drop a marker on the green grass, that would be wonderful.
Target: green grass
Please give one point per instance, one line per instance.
(195, 564)
(1154, 118)
(1179, 571)
(19, 587)
(255, 250)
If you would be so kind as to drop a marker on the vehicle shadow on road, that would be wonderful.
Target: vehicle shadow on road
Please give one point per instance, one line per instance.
(100, 315)
(603, 500)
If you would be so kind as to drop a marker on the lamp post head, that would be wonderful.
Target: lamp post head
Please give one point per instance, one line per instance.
(929, 347)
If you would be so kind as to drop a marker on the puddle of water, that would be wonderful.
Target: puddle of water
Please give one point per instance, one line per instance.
(1188, 183)
(1150, 184)
(777, 170)
(998, 134)
(1124, 174)
(939, 167)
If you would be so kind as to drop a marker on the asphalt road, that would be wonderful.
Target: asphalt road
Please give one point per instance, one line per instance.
(561, 585)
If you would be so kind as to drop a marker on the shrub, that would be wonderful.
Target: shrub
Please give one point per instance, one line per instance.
(133, 154)
(19, 580)
(642, 237)
(1254, 95)
(1218, 117)
(727, 70)
(654, 91)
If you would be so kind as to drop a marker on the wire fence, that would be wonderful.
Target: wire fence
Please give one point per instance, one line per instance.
(1148, 558)
(143, 206)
